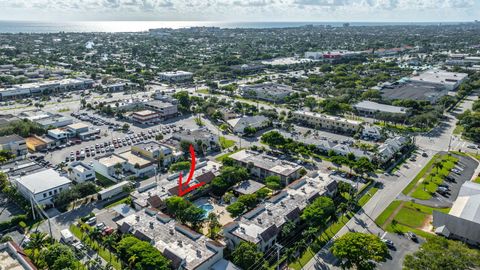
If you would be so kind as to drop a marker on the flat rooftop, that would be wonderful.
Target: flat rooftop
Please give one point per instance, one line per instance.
(439, 77)
(173, 73)
(77, 126)
(153, 146)
(111, 160)
(81, 167)
(145, 113)
(414, 91)
(135, 159)
(12, 257)
(174, 240)
(328, 117)
(10, 138)
(266, 162)
(248, 187)
(370, 105)
(43, 180)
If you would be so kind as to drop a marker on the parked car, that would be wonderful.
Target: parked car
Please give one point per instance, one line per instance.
(91, 221)
(412, 236)
(389, 243)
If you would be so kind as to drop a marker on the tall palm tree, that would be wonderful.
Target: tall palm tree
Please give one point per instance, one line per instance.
(438, 165)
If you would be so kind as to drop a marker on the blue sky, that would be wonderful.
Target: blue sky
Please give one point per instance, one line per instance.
(242, 10)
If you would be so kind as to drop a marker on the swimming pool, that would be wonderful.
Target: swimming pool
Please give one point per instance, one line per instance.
(207, 207)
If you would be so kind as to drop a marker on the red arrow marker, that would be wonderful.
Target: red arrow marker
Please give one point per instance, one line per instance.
(181, 185)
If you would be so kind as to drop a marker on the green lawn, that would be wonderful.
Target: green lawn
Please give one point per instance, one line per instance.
(203, 91)
(226, 143)
(104, 181)
(120, 201)
(102, 252)
(458, 130)
(412, 184)
(382, 218)
(410, 217)
(364, 199)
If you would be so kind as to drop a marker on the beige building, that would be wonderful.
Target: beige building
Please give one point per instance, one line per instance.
(329, 122)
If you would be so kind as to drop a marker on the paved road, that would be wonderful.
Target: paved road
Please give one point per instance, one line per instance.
(363, 221)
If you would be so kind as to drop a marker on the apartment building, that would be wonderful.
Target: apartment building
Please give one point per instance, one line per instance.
(323, 121)
(185, 248)
(263, 224)
(258, 122)
(156, 151)
(209, 141)
(262, 165)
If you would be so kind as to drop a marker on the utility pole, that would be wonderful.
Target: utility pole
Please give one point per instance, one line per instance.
(279, 247)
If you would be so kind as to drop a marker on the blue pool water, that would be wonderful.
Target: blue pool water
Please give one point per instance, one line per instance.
(207, 208)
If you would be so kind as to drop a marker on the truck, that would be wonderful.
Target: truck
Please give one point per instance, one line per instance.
(67, 236)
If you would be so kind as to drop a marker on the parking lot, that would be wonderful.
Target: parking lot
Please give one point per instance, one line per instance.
(8, 209)
(402, 245)
(110, 140)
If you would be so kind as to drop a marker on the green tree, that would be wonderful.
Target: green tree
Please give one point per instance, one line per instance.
(236, 209)
(247, 256)
(318, 212)
(58, 257)
(273, 182)
(440, 253)
(359, 250)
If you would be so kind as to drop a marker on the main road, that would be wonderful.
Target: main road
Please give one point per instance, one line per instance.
(437, 140)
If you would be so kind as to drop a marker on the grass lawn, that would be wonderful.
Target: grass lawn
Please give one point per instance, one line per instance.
(410, 217)
(226, 143)
(104, 181)
(387, 213)
(364, 199)
(458, 130)
(203, 91)
(102, 252)
(120, 201)
(412, 184)
(477, 180)
(222, 157)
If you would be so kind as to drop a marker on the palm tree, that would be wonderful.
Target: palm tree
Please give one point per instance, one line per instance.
(438, 165)
(38, 241)
(132, 261)
(118, 168)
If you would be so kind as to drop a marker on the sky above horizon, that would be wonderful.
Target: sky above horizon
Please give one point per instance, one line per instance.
(242, 10)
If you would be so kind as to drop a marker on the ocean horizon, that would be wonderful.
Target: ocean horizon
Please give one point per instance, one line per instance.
(142, 26)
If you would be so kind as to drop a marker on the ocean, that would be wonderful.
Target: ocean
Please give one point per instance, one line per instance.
(140, 26)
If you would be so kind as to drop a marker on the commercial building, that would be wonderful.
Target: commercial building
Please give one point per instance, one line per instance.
(209, 141)
(263, 224)
(46, 119)
(15, 144)
(6, 119)
(463, 220)
(323, 121)
(12, 257)
(262, 165)
(451, 80)
(145, 117)
(58, 134)
(175, 76)
(165, 110)
(371, 109)
(36, 143)
(82, 131)
(129, 163)
(185, 248)
(39, 88)
(113, 190)
(157, 151)
(257, 122)
(405, 89)
(272, 92)
(43, 186)
(80, 172)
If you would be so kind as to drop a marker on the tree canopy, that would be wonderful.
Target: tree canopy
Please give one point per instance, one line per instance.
(359, 250)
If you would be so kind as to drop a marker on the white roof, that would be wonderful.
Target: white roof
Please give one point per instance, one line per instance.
(43, 180)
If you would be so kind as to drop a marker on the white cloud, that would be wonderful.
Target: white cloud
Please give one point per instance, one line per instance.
(236, 10)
